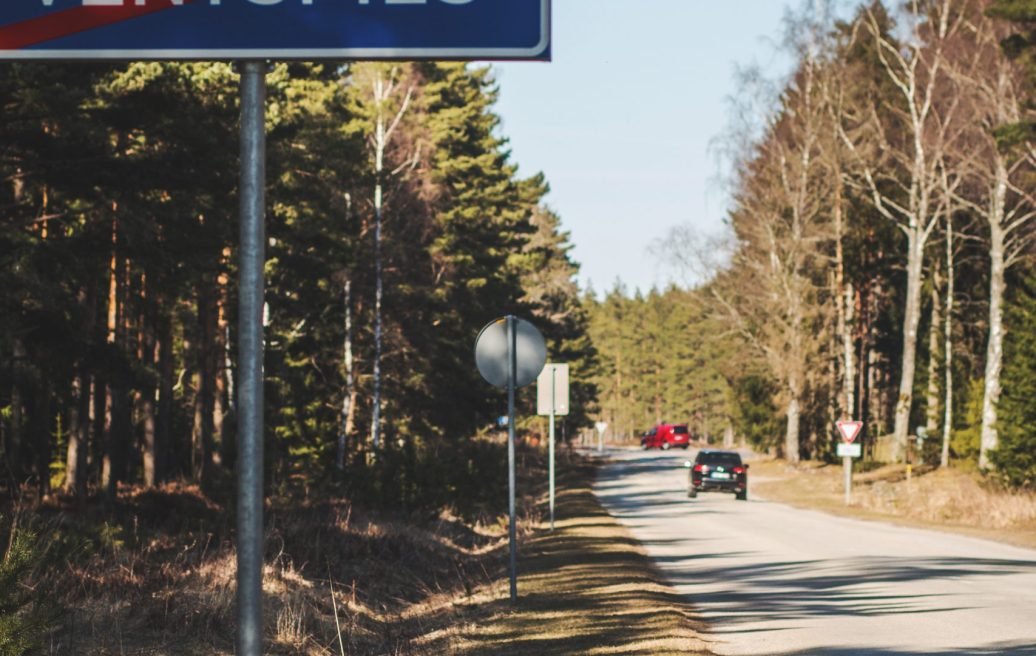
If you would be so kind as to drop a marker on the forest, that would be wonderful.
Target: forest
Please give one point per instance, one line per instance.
(397, 228)
(877, 262)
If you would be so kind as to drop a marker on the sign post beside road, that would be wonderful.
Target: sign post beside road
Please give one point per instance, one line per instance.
(847, 450)
(601, 426)
(552, 400)
(510, 353)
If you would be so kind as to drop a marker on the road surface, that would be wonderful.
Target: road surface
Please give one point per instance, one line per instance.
(772, 579)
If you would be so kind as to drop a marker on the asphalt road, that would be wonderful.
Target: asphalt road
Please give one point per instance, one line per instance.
(772, 579)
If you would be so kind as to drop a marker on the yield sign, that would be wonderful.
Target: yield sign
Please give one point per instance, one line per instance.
(849, 430)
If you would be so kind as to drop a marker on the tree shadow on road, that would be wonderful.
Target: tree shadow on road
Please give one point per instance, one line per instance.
(997, 649)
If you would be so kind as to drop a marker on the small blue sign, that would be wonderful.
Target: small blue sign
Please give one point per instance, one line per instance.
(274, 29)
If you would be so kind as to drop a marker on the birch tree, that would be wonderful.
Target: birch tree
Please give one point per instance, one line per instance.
(390, 94)
(905, 188)
(999, 160)
(781, 228)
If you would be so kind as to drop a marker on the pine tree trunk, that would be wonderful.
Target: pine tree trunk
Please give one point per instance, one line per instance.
(163, 421)
(78, 438)
(122, 403)
(202, 432)
(16, 433)
(42, 443)
(911, 321)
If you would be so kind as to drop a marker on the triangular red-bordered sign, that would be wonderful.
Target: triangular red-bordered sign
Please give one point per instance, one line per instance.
(849, 430)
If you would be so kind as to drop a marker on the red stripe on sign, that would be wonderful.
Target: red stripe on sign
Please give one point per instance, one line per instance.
(73, 21)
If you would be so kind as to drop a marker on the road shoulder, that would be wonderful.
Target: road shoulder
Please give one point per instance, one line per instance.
(949, 502)
(586, 588)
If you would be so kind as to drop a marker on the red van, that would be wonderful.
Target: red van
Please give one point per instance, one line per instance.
(666, 436)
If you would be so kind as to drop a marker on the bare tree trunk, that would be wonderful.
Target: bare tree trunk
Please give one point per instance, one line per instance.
(383, 131)
(791, 436)
(41, 439)
(349, 398)
(201, 434)
(911, 320)
(77, 461)
(163, 420)
(934, 335)
(78, 438)
(995, 345)
(378, 293)
(947, 429)
(845, 304)
(16, 433)
(220, 327)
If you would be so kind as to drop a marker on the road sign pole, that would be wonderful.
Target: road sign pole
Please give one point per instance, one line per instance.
(512, 369)
(250, 361)
(847, 465)
(553, 410)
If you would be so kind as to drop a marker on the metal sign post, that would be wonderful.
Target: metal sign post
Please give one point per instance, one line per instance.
(848, 450)
(552, 401)
(553, 413)
(250, 361)
(512, 530)
(510, 353)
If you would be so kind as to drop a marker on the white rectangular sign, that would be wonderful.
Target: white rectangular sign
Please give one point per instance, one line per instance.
(553, 376)
(850, 450)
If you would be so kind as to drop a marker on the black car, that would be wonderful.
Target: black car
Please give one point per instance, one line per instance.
(720, 471)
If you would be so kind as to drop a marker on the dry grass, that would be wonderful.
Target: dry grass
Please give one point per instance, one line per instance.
(157, 576)
(586, 589)
(950, 499)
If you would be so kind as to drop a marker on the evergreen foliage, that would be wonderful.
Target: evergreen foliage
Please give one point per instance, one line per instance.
(1015, 459)
(118, 243)
(23, 620)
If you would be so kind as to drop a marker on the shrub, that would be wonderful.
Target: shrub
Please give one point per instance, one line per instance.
(22, 620)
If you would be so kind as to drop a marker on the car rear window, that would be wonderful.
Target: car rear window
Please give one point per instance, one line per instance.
(726, 459)
(679, 430)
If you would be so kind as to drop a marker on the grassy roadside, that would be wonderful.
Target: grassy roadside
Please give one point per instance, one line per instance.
(155, 577)
(587, 588)
(952, 500)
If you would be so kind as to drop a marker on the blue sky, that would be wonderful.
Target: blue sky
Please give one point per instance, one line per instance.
(622, 119)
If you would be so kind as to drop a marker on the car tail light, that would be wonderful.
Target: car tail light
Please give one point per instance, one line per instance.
(739, 470)
(699, 468)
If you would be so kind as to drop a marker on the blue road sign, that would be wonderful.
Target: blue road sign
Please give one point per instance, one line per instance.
(274, 29)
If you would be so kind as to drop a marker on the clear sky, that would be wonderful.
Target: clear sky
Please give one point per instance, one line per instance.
(621, 120)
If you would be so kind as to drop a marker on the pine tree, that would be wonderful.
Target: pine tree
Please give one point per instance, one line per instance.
(1015, 459)
(23, 620)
